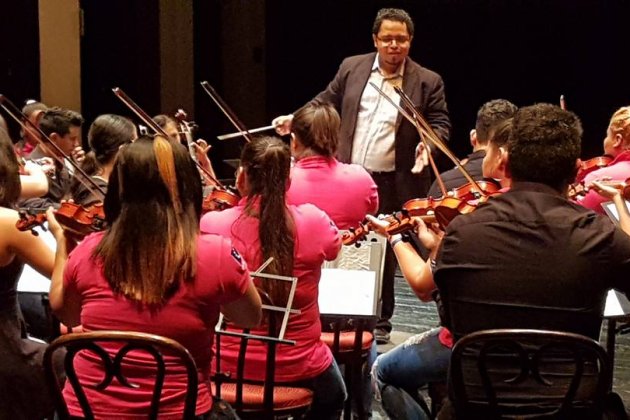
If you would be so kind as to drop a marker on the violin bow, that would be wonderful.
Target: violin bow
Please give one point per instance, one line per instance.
(120, 94)
(424, 128)
(26, 124)
(223, 106)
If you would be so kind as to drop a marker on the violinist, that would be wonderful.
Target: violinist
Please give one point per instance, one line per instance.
(346, 192)
(530, 258)
(32, 176)
(200, 147)
(34, 111)
(299, 238)
(107, 134)
(490, 114)
(24, 390)
(63, 127)
(150, 271)
(169, 125)
(616, 145)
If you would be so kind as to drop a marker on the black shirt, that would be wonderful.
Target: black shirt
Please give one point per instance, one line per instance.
(529, 258)
(453, 178)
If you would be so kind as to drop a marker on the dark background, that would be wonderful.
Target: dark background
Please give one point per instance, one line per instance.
(526, 51)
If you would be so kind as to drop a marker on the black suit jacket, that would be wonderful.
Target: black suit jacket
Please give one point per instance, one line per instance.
(426, 90)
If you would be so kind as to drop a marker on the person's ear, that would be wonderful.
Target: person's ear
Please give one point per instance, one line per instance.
(504, 159)
(242, 184)
(617, 141)
(473, 138)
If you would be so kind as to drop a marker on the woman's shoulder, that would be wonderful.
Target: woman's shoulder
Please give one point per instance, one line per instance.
(308, 214)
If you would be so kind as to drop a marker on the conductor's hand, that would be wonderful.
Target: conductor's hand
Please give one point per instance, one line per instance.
(282, 124)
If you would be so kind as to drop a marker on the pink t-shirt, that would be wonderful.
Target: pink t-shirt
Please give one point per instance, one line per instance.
(345, 192)
(317, 239)
(188, 317)
(617, 170)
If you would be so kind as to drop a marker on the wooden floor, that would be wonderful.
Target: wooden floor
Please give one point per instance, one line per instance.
(412, 316)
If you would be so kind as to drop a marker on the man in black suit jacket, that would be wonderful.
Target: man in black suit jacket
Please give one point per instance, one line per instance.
(374, 135)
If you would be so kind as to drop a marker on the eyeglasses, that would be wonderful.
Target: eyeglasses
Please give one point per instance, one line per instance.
(400, 40)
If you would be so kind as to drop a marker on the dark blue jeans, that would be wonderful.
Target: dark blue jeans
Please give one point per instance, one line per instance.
(329, 393)
(399, 373)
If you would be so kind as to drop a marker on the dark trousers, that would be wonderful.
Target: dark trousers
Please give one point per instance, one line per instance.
(394, 189)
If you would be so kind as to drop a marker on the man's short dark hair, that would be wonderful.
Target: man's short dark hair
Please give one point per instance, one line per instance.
(397, 15)
(490, 114)
(59, 120)
(544, 145)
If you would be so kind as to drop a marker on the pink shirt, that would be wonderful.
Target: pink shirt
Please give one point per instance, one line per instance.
(618, 170)
(317, 239)
(345, 192)
(188, 317)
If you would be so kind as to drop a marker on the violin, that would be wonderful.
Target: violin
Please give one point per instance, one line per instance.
(588, 166)
(76, 219)
(186, 129)
(579, 189)
(219, 199)
(470, 192)
(398, 222)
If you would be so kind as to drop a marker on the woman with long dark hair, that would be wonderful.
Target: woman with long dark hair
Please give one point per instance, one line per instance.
(299, 238)
(151, 271)
(107, 133)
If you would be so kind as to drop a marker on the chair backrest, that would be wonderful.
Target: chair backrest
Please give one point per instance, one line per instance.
(271, 340)
(521, 373)
(154, 345)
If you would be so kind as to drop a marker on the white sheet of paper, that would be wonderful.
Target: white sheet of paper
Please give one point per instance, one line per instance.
(617, 304)
(31, 280)
(347, 292)
(611, 210)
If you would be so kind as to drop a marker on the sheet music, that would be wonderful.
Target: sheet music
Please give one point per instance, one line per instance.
(347, 292)
(31, 280)
(611, 210)
(616, 304)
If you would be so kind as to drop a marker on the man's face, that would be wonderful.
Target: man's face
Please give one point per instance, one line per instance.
(392, 43)
(71, 140)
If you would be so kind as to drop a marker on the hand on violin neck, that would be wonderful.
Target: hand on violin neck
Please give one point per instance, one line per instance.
(606, 190)
(430, 235)
(53, 225)
(66, 241)
(378, 224)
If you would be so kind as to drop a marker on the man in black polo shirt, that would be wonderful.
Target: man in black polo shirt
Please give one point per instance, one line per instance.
(530, 258)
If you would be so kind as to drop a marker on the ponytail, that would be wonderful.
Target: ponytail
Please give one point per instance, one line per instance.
(267, 163)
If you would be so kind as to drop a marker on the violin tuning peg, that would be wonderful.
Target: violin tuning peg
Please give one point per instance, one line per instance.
(34, 232)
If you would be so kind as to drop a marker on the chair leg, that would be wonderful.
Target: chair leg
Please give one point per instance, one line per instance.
(347, 378)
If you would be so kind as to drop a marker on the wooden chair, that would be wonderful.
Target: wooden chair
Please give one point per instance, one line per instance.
(528, 374)
(152, 344)
(253, 398)
(350, 341)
